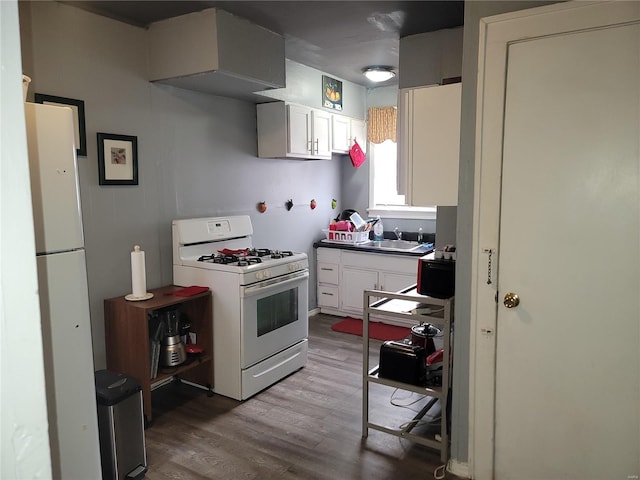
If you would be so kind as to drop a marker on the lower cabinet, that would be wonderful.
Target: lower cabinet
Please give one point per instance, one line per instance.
(343, 276)
(354, 282)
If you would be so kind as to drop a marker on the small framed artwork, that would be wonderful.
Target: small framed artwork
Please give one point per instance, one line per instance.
(78, 117)
(117, 159)
(331, 93)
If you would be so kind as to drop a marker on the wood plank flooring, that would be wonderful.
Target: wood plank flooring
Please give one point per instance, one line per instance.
(307, 426)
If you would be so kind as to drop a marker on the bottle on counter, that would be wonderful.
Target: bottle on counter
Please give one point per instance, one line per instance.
(378, 230)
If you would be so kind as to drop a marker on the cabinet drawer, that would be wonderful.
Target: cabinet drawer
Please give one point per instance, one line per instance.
(327, 296)
(328, 273)
(329, 255)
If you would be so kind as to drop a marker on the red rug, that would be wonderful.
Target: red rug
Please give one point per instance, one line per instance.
(377, 330)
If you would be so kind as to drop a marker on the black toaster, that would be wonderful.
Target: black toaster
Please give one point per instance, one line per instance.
(403, 362)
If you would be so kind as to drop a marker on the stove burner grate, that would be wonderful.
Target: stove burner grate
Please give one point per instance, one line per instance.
(260, 252)
(281, 253)
(248, 261)
(216, 258)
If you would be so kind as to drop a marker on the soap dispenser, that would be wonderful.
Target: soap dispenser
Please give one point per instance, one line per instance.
(378, 230)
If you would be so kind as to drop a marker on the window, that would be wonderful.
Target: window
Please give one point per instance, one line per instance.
(384, 173)
(384, 199)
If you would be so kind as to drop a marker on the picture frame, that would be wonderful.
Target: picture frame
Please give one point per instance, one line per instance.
(117, 159)
(78, 117)
(331, 93)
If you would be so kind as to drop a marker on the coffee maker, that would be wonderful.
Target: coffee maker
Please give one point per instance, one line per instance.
(172, 352)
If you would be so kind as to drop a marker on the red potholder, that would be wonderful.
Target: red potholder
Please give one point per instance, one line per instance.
(357, 155)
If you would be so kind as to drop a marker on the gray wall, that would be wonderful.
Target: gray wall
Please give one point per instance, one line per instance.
(474, 11)
(197, 154)
(428, 58)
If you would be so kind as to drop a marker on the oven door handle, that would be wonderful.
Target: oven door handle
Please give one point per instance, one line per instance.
(273, 283)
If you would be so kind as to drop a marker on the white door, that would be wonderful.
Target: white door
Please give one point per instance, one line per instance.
(299, 126)
(354, 282)
(321, 134)
(567, 362)
(340, 133)
(394, 282)
(54, 181)
(435, 147)
(359, 134)
(68, 362)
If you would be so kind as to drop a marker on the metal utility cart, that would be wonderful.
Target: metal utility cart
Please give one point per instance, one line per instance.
(407, 304)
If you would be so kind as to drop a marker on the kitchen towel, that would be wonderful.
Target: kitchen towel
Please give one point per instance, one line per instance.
(189, 291)
(357, 155)
(138, 275)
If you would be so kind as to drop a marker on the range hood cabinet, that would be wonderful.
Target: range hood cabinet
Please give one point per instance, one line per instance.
(215, 52)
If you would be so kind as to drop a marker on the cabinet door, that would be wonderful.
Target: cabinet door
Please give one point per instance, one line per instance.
(358, 133)
(394, 282)
(340, 133)
(321, 134)
(354, 282)
(435, 145)
(298, 129)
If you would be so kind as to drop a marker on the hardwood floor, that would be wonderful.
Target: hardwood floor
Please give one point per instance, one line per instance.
(307, 426)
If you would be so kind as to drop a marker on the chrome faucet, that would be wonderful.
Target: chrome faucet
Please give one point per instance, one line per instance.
(398, 233)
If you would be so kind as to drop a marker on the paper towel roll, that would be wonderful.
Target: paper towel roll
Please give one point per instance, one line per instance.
(138, 276)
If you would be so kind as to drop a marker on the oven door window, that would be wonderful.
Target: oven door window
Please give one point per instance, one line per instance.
(274, 316)
(276, 311)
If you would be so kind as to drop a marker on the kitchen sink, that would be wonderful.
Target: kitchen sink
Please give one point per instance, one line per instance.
(398, 245)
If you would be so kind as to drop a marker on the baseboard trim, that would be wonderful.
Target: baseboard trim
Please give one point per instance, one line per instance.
(314, 311)
(458, 468)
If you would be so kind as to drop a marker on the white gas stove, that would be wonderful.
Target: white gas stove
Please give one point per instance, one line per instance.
(260, 301)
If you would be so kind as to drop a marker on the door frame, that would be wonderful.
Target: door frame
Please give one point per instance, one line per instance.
(496, 34)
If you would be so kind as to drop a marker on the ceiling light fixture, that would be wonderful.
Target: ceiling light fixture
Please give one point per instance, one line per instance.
(379, 74)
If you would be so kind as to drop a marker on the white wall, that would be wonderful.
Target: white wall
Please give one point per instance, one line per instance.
(24, 441)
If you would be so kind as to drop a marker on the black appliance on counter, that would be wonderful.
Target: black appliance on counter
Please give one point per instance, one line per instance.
(436, 278)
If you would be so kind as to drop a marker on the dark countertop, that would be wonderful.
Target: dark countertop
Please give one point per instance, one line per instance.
(371, 248)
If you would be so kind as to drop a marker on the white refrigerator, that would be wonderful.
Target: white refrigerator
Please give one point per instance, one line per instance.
(64, 296)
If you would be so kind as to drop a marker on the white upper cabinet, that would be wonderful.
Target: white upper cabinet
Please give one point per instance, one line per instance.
(320, 134)
(299, 131)
(430, 143)
(344, 130)
(293, 131)
(359, 134)
(340, 133)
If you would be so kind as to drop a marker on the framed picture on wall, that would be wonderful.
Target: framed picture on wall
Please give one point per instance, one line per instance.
(331, 93)
(78, 118)
(117, 159)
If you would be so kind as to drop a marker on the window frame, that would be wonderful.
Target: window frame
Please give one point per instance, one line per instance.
(393, 211)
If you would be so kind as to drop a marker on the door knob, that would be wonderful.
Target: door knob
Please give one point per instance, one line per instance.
(511, 300)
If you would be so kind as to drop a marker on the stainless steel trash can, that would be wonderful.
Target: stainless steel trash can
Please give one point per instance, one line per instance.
(121, 426)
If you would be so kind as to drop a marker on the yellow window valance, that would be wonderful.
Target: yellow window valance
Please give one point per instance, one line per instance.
(381, 124)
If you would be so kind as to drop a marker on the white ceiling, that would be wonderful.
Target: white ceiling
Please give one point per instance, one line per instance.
(336, 37)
